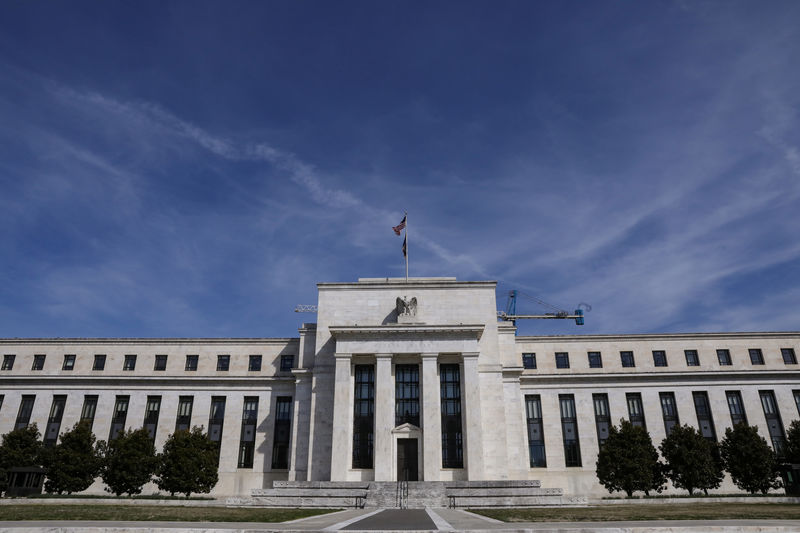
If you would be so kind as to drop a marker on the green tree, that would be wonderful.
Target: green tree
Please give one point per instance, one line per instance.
(188, 463)
(692, 460)
(129, 461)
(21, 447)
(749, 459)
(628, 461)
(791, 451)
(74, 462)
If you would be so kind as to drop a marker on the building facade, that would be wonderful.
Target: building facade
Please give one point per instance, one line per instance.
(405, 379)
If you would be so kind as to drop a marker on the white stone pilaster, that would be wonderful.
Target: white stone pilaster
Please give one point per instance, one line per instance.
(471, 413)
(301, 418)
(431, 419)
(342, 422)
(384, 417)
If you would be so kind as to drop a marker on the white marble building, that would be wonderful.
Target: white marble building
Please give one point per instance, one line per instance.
(436, 389)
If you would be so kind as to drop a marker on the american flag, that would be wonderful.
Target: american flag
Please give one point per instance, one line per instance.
(400, 227)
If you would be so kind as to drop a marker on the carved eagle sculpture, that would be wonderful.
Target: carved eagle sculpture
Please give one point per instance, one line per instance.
(406, 307)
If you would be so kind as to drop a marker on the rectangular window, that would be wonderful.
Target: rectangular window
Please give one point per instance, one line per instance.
(363, 416)
(406, 394)
(247, 439)
(452, 436)
(183, 421)
(692, 359)
(151, 412)
(627, 359)
(89, 409)
(2, 397)
(25, 410)
(119, 416)
(533, 415)
(659, 358)
(788, 356)
(160, 362)
(669, 410)
(562, 360)
(704, 419)
(223, 362)
(8, 361)
(569, 429)
(724, 357)
(635, 409)
(38, 362)
(736, 407)
(216, 418)
(774, 424)
(283, 426)
(254, 364)
(54, 420)
(287, 361)
(756, 357)
(69, 362)
(602, 416)
(529, 360)
(797, 399)
(130, 362)
(191, 363)
(99, 362)
(595, 360)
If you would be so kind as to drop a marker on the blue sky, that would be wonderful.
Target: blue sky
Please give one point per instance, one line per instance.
(194, 169)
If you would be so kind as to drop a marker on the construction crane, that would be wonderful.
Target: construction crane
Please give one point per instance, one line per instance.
(303, 308)
(510, 314)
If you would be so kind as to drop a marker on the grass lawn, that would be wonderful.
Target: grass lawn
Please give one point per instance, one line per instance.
(152, 512)
(677, 511)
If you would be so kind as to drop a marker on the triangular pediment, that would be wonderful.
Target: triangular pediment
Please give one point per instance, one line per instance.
(407, 428)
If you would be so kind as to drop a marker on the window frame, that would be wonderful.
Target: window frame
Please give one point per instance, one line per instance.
(160, 357)
(286, 362)
(254, 363)
(99, 363)
(562, 359)
(129, 362)
(659, 357)
(792, 359)
(8, 361)
(38, 361)
(595, 359)
(529, 361)
(627, 359)
(191, 363)
(724, 357)
(756, 356)
(223, 362)
(692, 357)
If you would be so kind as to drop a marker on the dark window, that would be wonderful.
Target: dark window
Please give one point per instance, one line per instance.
(724, 357)
(736, 407)
(216, 421)
(247, 439)
(54, 420)
(223, 363)
(692, 359)
(8, 361)
(130, 362)
(2, 397)
(25, 410)
(183, 421)
(287, 361)
(602, 416)
(529, 360)
(38, 362)
(569, 429)
(452, 437)
(669, 410)
(406, 394)
(595, 360)
(283, 425)
(191, 363)
(797, 399)
(704, 419)
(659, 358)
(119, 416)
(627, 359)
(363, 416)
(89, 409)
(99, 362)
(69, 362)
(774, 424)
(533, 414)
(788, 356)
(635, 409)
(756, 357)
(254, 365)
(161, 362)
(562, 360)
(151, 411)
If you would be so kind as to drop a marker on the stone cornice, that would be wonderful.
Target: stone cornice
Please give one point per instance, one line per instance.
(657, 377)
(658, 336)
(401, 283)
(469, 331)
(149, 341)
(147, 382)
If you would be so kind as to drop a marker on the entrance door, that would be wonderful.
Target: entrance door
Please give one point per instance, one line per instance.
(407, 465)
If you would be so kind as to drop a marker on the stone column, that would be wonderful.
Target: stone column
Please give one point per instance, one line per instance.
(471, 415)
(431, 419)
(384, 417)
(301, 419)
(342, 418)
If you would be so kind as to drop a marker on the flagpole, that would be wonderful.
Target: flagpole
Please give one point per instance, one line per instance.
(406, 239)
